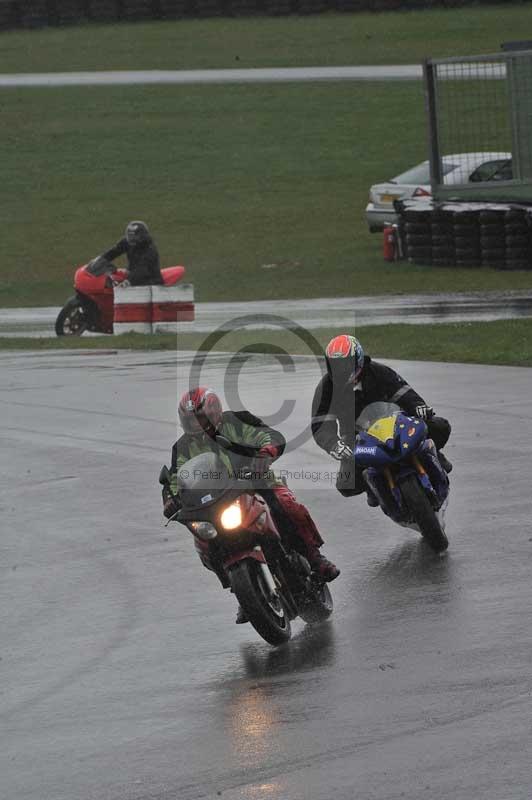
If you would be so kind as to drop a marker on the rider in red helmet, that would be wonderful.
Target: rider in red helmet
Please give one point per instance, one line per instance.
(355, 379)
(202, 417)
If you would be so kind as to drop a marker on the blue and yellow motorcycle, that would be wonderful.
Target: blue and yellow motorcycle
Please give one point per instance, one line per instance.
(402, 469)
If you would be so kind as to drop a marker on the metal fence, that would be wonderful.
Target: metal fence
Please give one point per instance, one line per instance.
(41, 13)
(482, 104)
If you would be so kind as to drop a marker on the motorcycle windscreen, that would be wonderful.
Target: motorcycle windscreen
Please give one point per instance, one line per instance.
(373, 412)
(202, 481)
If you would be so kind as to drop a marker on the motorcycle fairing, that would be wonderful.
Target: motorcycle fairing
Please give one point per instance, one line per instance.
(255, 553)
(389, 439)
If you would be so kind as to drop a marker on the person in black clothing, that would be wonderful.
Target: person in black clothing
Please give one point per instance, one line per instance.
(143, 264)
(352, 382)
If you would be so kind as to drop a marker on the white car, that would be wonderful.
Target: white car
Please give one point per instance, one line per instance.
(415, 182)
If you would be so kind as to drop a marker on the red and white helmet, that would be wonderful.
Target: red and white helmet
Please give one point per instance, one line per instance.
(200, 411)
(345, 359)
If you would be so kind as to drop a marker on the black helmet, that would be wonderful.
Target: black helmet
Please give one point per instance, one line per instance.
(345, 359)
(137, 232)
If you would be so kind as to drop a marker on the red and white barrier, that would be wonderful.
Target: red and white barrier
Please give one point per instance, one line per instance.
(170, 305)
(132, 309)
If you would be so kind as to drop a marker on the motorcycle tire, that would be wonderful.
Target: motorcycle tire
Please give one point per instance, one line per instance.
(268, 616)
(418, 240)
(517, 241)
(423, 514)
(71, 320)
(491, 218)
(463, 229)
(517, 229)
(318, 607)
(417, 229)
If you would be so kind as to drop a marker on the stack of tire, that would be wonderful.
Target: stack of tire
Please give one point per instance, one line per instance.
(505, 239)
(442, 232)
(416, 236)
(466, 234)
(499, 237)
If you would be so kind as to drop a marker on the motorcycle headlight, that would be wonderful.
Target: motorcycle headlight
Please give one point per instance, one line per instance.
(231, 517)
(204, 530)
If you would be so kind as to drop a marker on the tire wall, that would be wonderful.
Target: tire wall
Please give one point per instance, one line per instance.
(500, 238)
(42, 13)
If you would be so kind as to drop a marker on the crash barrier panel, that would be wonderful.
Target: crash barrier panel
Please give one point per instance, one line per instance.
(497, 235)
(132, 309)
(152, 309)
(170, 305)
(42, 13)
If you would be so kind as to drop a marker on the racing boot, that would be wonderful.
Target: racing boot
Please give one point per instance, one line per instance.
(241, 616)
(324, 568)
(444, 461)
(371, 498)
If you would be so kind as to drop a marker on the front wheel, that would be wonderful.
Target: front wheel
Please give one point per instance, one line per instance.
(72, 320)
(424, 514)
(265, 611)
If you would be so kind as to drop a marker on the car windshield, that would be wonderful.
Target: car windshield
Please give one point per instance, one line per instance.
(497, 170)
(421, 173)
(202, 480)
(373, 412)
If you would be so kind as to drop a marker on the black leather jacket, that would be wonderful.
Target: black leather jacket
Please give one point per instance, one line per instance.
(333, 409)
(142, 261)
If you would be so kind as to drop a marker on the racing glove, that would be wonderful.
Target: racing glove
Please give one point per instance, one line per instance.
(171, 506)
(424, 412)
(265, 458)
(341, 450)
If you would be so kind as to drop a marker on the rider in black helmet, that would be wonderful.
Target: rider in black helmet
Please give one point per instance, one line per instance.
(353, 378)
(143, 264)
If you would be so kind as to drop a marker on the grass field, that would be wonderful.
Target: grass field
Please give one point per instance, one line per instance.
(499, 343)
(259, 190)
(319, 40)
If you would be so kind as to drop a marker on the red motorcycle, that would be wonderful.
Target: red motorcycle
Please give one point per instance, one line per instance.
(237, 538)
(92, 307)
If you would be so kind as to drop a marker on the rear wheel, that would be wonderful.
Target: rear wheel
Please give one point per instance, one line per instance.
(72, 320)
(265, 611)
(423, 513)
(318, 607)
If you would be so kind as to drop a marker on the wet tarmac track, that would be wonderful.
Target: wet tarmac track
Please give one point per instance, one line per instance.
(318, 312)
(123, 675)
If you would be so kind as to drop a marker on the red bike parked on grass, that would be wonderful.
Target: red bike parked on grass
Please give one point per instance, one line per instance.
(92, 307)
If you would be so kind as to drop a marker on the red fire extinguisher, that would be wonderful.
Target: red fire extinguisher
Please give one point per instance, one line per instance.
(389, 246)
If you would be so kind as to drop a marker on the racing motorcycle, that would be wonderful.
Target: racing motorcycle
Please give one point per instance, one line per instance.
(92, 307)
(403, 471)
(236, 536)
